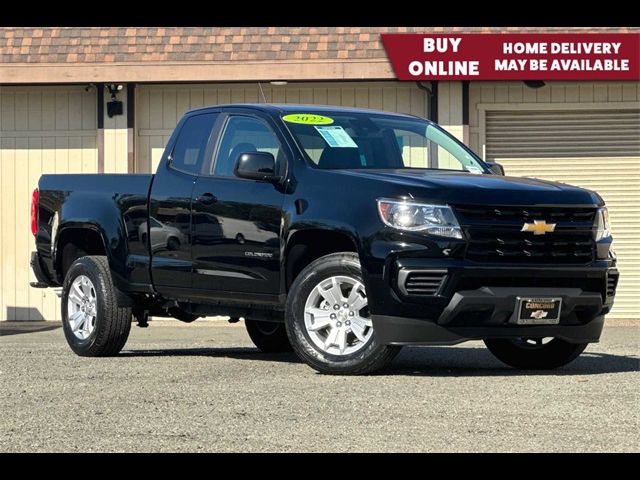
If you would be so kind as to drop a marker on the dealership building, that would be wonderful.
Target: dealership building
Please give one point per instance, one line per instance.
(105, 100)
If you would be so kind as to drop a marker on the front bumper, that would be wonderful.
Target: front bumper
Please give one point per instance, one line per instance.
(488, 313)
(454, 300)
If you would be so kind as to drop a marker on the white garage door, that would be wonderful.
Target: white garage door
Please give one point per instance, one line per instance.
(42, 130)
(598, 149)
(159, 107)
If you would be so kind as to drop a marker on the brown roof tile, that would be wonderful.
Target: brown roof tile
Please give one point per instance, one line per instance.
(205, 44)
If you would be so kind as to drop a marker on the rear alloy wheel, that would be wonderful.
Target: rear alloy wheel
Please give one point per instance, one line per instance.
(328, 318)
(82, 307)
(535, 353)
(95, 321)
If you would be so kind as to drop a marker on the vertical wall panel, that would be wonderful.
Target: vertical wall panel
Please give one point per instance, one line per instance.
(33, 171)
(7, 239)
(21, 110)
(26, 149)
(62, 110)
(306, 96)
(7, 111)
(43, 130)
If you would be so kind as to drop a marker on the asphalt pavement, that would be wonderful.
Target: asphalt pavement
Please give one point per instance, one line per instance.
(204, 387)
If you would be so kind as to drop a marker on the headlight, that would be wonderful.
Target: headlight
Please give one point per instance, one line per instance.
(603, 230)
(433, 219)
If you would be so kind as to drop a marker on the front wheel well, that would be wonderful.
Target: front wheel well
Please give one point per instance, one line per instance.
(74, 243)
(308, 245)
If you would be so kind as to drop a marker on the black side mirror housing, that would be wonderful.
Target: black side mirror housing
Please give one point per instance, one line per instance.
(496, 168)
(256, 166)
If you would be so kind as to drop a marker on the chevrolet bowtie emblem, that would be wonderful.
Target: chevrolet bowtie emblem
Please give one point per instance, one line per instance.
(538, 227)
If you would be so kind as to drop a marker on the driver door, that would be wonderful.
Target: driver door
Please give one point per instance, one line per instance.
(237, 223)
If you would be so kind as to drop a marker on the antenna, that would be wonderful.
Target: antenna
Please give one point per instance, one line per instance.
(264, 100)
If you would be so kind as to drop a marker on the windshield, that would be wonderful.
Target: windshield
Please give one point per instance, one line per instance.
(360, 140)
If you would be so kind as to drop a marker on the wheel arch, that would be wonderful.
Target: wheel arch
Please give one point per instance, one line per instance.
(306, 245)
(75, 240)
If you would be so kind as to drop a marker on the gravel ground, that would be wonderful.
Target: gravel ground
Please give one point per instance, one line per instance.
(203, 387)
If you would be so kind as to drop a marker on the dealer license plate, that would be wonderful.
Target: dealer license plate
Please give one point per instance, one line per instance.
(538, 311)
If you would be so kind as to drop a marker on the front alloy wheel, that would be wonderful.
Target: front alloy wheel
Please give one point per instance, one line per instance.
(328, 319)
(336, 316)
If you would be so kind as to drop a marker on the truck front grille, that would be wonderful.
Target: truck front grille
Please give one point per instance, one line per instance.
(495, 235)
(421, 282)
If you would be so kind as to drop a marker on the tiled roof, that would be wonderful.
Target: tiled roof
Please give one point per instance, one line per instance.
(216, 44)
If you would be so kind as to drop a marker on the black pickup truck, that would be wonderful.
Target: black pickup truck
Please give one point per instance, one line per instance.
(341, 233)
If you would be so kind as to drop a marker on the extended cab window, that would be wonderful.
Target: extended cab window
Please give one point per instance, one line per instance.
(192, 141)
(242, 135)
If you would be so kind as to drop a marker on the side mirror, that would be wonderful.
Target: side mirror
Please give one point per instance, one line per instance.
(256, 166)
(496, 168)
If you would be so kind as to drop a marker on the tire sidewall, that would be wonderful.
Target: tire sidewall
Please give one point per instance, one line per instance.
(272, 340)
(554, 354)
(266, 329)
(84, 266)
(309, 278)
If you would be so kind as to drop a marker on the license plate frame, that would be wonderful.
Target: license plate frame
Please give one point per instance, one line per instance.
(538, 310)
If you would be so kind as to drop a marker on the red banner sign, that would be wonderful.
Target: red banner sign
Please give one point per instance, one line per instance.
(538, 56)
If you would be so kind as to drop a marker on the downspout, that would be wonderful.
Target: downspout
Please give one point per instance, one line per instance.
(432, 91)
(100, 126)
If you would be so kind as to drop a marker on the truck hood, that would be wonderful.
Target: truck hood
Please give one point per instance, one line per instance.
(482, 189)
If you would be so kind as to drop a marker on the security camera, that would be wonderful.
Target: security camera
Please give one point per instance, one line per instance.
(114, 88)
(89, 87)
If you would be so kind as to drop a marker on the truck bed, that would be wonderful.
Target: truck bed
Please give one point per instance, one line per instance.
(121, 183)
(112, 205)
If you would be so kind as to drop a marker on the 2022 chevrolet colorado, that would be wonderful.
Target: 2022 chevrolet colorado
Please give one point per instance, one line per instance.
(340, 233)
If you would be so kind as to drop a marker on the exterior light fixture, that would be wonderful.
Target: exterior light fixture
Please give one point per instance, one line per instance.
(114, 107)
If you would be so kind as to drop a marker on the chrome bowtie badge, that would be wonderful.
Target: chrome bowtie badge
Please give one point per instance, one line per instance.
(538, 227)
(539, 314)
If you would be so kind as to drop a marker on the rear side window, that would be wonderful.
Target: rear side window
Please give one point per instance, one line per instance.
(188, 151)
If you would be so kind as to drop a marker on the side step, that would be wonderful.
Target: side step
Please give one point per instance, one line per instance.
(38, 285)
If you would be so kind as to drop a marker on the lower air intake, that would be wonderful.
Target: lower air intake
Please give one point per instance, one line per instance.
(421, 282)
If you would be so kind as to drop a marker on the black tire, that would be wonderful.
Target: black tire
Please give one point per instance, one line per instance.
(370, 358)
(112, 320)
(269, 337)
(519, 353)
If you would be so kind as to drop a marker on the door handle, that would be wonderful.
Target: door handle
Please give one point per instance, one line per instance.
(207, 198)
